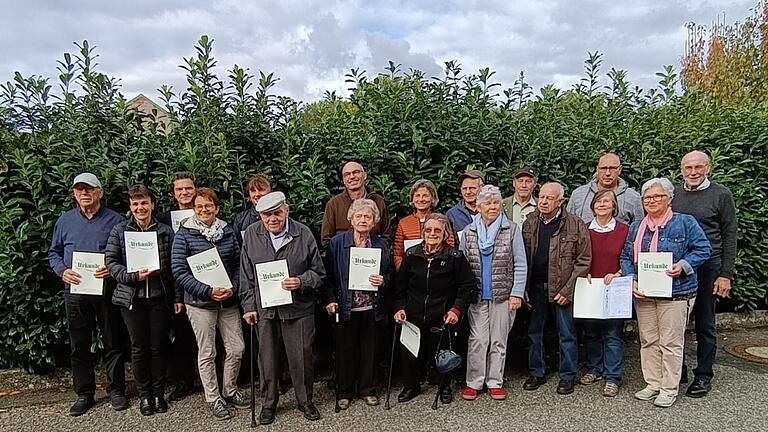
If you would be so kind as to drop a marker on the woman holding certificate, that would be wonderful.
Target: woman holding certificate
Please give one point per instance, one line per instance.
(662, 253)
(357, 265)
(603, 339)
(138, 256)
(206, 261)
(433, 287)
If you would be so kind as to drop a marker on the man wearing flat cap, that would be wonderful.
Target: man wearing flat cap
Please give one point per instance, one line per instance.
(86, 228)
(278, 237)
(461, 214)
(518, 206)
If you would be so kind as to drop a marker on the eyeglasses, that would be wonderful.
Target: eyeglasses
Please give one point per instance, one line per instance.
(653, 198)
(608, 168)
(205, 207)
(352, 173)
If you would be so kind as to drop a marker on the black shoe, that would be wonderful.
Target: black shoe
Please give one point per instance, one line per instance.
(310, 412)
(237, 400)
(81, 405)
(446, 394)
(179, 392)
(220, 411)
(267, 416)
(565, 387)
(118, 399)
(699, 388)
(408, 394)
(146, 406)
(534, 382)
(161, 406)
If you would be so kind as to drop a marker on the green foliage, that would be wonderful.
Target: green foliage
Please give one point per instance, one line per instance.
(401, 124)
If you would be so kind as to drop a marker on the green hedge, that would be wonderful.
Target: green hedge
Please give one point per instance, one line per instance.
(403, 125)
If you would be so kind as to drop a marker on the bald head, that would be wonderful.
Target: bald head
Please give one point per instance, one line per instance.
(696, 156)
(608, 171)
(353, 175)
(695, 168)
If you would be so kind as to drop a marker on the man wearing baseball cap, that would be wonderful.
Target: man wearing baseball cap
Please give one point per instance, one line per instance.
(461, 214)
(522, 202)
(86, 228)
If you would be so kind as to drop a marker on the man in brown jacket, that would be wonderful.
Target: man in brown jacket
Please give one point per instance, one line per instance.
(335, 217)
(559, 251)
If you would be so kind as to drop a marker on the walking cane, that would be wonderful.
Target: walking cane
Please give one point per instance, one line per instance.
(391, 364)
(442, 376)
(337, 408)
(253, 386)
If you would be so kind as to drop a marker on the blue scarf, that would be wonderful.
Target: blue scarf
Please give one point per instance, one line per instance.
(486, 236)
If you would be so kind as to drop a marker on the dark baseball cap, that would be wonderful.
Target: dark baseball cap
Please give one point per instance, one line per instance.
(473, 174)
(524, 171)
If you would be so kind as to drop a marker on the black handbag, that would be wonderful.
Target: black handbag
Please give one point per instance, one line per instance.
(446, 360)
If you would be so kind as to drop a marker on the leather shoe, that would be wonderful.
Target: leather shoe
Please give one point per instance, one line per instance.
(161, 406)
(118, 399)
(565, 387)
(81, 405)
(446, 394)
(310, 412)
(534, 382)
(146, 406)
(267, 416)
(179, 392)
(408, 394)
(699, 388)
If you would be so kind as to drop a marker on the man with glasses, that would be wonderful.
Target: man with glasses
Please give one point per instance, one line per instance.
(607, 177)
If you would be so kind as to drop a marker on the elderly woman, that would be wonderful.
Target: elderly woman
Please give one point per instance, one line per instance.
(146, 298)
(358, 311)
(433, 287)
(603, 340)
(423, 199)
(661, 321)
(494, 248)
(212, 308)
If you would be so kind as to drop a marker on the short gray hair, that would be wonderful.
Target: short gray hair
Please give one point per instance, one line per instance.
(662, 182)
(488, 192)
(424, 183)
(560, 188)
(364, 204)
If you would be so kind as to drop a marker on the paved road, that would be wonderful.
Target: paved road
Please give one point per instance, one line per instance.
(738, 402)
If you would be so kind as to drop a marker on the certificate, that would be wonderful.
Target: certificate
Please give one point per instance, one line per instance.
(208, 269)
(141, 251)
(179, 215)
(407, 244)
(652, 279)
(600, 301)
(363, 262)
(85, 264)
(270, 276)
(410, 337)
(460, 236)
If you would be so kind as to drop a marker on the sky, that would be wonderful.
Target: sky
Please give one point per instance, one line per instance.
(311, 45)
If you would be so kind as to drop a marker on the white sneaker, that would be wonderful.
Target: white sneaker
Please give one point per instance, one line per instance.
(665, 400)
(646, 394)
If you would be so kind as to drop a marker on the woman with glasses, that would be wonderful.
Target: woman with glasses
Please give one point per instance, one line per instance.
(661, 321)
(212, 308)
(433, 287)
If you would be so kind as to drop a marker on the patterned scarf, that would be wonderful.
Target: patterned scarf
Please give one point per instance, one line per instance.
(212, 233)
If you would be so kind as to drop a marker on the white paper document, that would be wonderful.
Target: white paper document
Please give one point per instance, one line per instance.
(410, 337)
(460, 236)
(652, 279)
(141, 251)
(208, 268)
(363, 262)
(85, 264)
(408, 243)
(179, 215)
(600, 301)
(270, 276)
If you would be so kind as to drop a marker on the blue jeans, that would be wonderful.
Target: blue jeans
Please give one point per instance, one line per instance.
(605, 348)
(566, 330)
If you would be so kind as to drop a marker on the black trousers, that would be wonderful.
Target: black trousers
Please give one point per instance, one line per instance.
(413, 369)
(355, 355)
(182, 367)
(84, 314)
(148, 323)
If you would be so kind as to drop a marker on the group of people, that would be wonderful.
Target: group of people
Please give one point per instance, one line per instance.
(472, 269)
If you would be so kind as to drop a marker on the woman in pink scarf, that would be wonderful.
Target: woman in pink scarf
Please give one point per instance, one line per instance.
(661, 320)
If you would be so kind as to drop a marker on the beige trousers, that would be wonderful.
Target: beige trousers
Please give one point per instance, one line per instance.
(204, 323)
(662, 340)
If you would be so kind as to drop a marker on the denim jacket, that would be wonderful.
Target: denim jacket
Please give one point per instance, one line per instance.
(685, 239)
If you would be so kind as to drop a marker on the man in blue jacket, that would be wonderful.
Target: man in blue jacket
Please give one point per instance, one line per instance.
(86, 228)
(461, 214)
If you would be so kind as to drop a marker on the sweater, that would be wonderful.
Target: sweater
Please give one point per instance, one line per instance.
(540, 265)
(335, 216)
(606, 250)
(715, 212)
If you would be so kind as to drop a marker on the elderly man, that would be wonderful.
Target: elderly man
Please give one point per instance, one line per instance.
(86, 228)
(607, 177)
(335, 217)
(712, 206)
(519, 205)
(559, 251)
(461, 214)
(258, 185)
(277, 238)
